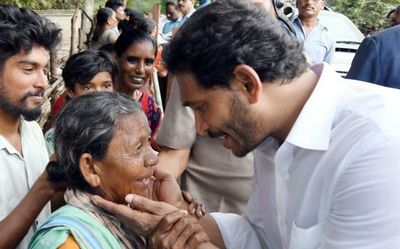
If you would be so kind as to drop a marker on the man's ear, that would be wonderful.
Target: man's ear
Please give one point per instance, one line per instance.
(90, 170)
(70, 94)
(247, 80)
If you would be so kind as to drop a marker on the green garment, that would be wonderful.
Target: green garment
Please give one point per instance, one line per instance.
(88, 232)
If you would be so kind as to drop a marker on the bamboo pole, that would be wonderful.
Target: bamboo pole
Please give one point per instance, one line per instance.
(156, 85)
(74, 30)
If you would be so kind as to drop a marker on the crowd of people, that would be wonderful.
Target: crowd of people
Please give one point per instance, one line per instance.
(258, 127)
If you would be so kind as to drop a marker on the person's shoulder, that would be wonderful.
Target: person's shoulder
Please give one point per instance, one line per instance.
(389, 33)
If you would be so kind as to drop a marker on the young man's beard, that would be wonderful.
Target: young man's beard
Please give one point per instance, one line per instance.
(15, 110)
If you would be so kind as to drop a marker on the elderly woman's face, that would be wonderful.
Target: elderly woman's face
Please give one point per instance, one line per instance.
(128, 164)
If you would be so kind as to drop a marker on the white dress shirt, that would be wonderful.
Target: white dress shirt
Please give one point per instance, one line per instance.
(335, 181)
(18, 173)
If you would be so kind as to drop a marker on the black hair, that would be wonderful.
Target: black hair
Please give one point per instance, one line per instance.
(130, 36)
(227, 33)
(136, 21)
(114, 4)
(390, 12)
(82, 67)
(171, 2)
(109, 48)
(86, 125)
(21, 29)
(101, 19)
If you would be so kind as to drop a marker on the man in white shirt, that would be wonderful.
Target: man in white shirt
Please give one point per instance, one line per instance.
(25, 41)
(327, 161)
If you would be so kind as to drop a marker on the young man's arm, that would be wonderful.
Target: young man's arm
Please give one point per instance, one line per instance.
(14, 227)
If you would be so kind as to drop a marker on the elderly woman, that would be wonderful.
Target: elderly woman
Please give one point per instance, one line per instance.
(102, 148)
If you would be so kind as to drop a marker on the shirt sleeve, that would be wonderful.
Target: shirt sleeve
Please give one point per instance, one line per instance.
(330, 52)
(364, 213)
(365, 65)
(236, 231)
(177, 130)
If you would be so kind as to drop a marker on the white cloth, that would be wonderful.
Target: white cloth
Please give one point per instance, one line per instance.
(335, 181)
(18, 174)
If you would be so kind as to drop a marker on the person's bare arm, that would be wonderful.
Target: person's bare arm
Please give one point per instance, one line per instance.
(173, 161)
(14, 227)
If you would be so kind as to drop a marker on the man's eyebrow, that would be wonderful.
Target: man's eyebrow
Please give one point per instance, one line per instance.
(28, 62)
(33, 63)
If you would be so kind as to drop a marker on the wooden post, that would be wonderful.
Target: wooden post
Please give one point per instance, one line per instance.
(156, 17)
(53, 65)
(87, 23)
(74, 30)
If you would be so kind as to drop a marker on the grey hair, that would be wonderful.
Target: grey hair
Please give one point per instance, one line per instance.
(86, 125)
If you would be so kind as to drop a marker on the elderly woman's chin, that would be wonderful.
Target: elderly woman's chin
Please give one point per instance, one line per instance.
(138, 187)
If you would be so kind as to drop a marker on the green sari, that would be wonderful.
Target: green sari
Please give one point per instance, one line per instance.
(88, 231)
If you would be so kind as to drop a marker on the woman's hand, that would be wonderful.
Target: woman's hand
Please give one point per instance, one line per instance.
(178, 230)
(166, 189)
(195, 208)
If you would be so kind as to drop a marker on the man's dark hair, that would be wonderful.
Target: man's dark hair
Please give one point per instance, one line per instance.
(171, 2)
(82, 67)
(390, 12)
(136, 20)
(114, 4)
(227, 33)
(21, 29)
(86, 125)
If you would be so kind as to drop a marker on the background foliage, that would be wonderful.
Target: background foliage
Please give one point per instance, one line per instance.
(368, 15)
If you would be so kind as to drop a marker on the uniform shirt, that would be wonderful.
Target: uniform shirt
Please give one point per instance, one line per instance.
(335, 181)
(214, 175)
(319, 45)
(18, 173)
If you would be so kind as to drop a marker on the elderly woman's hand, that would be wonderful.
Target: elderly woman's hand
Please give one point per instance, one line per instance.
(178, 230)
(166, 189)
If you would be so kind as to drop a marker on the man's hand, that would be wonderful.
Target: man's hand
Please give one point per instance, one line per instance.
(178, 230)
(141, 216)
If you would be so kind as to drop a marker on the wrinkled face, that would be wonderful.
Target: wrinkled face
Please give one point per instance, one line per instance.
(310, 8)
(221, 113)
(172, 13)
(120, 13)
(101, 82)
(185, 6)
(23, 81)
(128, 164)
(136, 65)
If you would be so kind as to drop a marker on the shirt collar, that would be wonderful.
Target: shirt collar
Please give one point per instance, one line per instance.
(312, 129)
